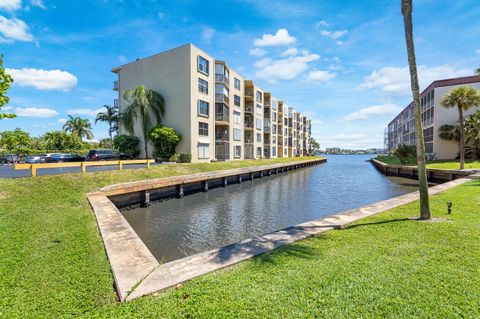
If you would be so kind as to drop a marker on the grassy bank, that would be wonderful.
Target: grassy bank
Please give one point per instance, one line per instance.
(430, 164)
(52, 261)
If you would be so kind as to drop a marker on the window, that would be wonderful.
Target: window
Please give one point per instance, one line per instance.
(259, 152)
(236, 83)
(203, 151)
(259, 137)
(202, 129)
(237, 117)
(259, 96)
(274, 104)
(274, 151)
(259, 124)
(259, 109)
(238, 151)
(203, 65)
(202, 86)
(274, 128)
(203, 108)
(274, 116)
(237, 134)
(236, 100)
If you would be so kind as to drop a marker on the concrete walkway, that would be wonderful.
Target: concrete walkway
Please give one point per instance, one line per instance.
(138, 273)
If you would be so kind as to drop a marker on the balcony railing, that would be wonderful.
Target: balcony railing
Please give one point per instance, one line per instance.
(222, 151)
(115, 85)
(221, 117)
(221, 78)
(266, 129)
(221, 137)
(222, 98)
(249, 93)
(248, 109)
(248, 124)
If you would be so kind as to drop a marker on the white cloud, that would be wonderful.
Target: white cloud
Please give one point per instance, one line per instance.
(396, 81)
(290, 51)
(44, 79)
(333, 34)
(38, 4)
(262, 63)
(384, 110)
(478, 51)
(285, 69)
(35, 112)
(122, 59)
(320, 75)
(207, 34)
(85, 111)
(280, 38)
(14, 29)
(258, 52)
(62, 121)
(10, 5)
(321, 23)
(7, 108)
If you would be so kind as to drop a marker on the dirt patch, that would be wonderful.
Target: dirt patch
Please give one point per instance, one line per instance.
(3, 195)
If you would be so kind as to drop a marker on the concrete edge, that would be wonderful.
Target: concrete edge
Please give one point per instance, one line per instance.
(130, 260)
(464, 172)
(181, 270)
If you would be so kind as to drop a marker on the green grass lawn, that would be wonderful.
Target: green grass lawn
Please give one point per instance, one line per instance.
(431, 164)
(52, 262)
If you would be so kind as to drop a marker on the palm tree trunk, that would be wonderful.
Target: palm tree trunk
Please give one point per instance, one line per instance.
(462, 137)
(422, 171)
(110, 133)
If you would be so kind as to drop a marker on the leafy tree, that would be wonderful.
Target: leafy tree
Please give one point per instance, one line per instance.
(15, 140)
(79, 127)
(165, 140)
(314, 145)
(405, 153)
(463, 98)
(142, 103)
(406, 7)
(105, 143)
(472, 131)
(477, 71)
(111, 116)
(5, 81)
(61, 140)
(127, 144)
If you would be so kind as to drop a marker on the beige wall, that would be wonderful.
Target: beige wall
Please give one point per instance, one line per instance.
(240, 109)
(171, 80)
(441, 148)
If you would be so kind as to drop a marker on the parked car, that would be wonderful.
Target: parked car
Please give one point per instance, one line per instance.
(60, 158)
(9, 158)
(106, 155)
(34, 159)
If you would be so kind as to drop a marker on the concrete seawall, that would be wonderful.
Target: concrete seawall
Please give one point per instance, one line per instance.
(433, 175)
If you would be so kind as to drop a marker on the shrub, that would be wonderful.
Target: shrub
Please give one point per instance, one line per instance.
(174, 158)
(405, 152)
(127, 145)
(165, 140)
(185, 158)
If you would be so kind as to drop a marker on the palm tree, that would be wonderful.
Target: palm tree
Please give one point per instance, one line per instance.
(477, 71)
(79, 127)
(412, 63)
(463, 98)
(110, 116)
(141, 104)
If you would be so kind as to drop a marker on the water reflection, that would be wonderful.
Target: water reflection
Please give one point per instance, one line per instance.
(199, 222)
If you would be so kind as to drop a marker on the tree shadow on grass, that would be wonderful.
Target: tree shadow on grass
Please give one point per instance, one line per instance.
(379, 223)
(296, 250)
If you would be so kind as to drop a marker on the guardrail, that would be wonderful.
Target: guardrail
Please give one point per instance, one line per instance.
(82, 165)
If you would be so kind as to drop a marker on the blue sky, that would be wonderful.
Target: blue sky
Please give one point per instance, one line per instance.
(341, 62)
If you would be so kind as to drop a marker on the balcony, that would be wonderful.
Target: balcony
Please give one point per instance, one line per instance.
(222, 151)
(249, 125)
(221, 136)
(267, 129)
(115, 85)
(222, 98)
(249, 94)
(222, 118)
(248, 108)
(221, 78)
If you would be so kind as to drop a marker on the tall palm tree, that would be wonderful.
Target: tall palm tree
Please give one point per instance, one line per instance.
(141, 104)
(463, 98)
(110, 116)
(477, 71)
(412, 63)
(79, 127)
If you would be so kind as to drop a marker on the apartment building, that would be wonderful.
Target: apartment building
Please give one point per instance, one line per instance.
(401, 130)
(221, 115)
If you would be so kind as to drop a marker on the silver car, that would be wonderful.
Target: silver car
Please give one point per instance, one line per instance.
(35, 159)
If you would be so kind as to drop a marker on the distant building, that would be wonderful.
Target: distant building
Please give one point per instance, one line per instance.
(401, 130)
(220, 114)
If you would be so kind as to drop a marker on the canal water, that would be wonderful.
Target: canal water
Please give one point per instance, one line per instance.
(177, 228)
